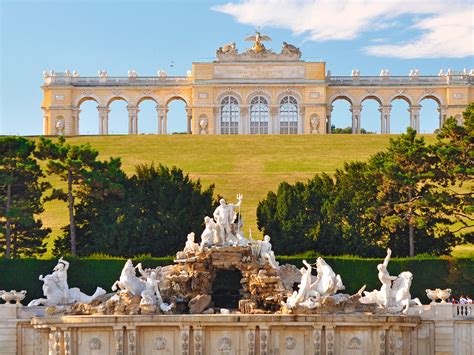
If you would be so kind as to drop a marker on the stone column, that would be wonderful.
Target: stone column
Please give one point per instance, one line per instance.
(184, 338)
(132, 119)
(75, 120)
(385, 119)
(217, 120)
(118, 335)
(317, 339)
(165, 121)
(356, 119)
(159, 119)
(301, 120)
(198, 340)
(250, 341)
(103, 119)
(442, 115)
(132, 341)
(273, 126)
(328, 119)
(264, 335)
(415, 117)
(330, 335)
(46, 124)
(244, 122)
(189, 114)
(54, 346)
(67, 341)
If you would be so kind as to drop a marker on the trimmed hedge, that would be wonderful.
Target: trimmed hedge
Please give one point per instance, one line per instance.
(88, 273)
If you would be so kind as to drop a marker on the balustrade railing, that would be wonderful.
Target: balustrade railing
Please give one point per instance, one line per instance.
(463, 310)
(116, 81)
(399, 80)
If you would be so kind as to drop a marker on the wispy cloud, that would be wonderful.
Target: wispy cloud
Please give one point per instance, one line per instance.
(445, 28)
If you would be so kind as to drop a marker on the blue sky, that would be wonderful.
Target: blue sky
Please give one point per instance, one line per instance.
(170, 35)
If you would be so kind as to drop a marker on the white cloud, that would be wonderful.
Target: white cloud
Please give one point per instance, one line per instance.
(446, 28)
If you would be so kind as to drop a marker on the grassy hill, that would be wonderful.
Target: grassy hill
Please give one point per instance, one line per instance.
(251, 165)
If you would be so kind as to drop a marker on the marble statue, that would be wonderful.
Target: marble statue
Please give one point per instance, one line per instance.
(290, 49)
(191, 247)
(209, 234)
(401, 291)
(60, 127)
(57, 291)
(151, 292)
(227, 48)
(314, 122)
(394, 295)
(266, 253)
(257, 40)
(327, 282)
(129, 281)
(385, 279)
(224, 217)
(203, 126)
(305, 296)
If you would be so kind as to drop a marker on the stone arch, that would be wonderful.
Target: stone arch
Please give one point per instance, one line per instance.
(342, 96)
(267, 95)
(372, 96)
(114, 97)
(433, 96)
(225, 93)
(404, 96)
(293, 93)
(176, 96)
(144, 97)
(86, 97)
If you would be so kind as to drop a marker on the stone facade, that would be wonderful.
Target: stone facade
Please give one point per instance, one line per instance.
(265, 93)
(434, 329)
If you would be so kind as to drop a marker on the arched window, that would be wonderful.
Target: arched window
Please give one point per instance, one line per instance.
(288, 115)
(259, 115)
(230, 115)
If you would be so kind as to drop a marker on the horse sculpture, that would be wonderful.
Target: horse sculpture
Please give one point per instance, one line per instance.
(129, 281)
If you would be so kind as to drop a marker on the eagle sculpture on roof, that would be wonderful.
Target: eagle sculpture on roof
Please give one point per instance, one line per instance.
(257, 39)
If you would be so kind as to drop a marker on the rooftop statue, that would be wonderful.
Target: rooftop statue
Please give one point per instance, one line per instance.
(258, 46)
(290, 49)
(57, 291)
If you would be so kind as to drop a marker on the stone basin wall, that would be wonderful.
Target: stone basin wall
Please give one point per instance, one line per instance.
(434, 329)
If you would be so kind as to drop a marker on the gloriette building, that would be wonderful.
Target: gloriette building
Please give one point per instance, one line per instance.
(258, 91)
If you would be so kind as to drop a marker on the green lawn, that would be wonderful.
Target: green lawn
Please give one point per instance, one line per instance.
(251, 165)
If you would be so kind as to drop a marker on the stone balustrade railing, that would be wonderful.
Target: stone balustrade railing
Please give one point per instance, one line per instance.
(59, 80)
(457, 79)
(463, 310)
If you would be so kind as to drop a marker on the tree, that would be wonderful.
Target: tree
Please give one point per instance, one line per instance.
(296, 216)
(148, 213)
(71, 163)
(20, 201)
(455, 151)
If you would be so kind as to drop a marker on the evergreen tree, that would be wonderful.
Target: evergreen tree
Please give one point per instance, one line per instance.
(20, 200)
(71, 163)
(149, 213)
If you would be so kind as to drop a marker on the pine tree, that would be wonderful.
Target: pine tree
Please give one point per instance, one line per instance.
(71, 163)
(20, 200)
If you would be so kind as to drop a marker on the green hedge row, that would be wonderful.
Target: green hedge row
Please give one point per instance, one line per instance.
(88, 273)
